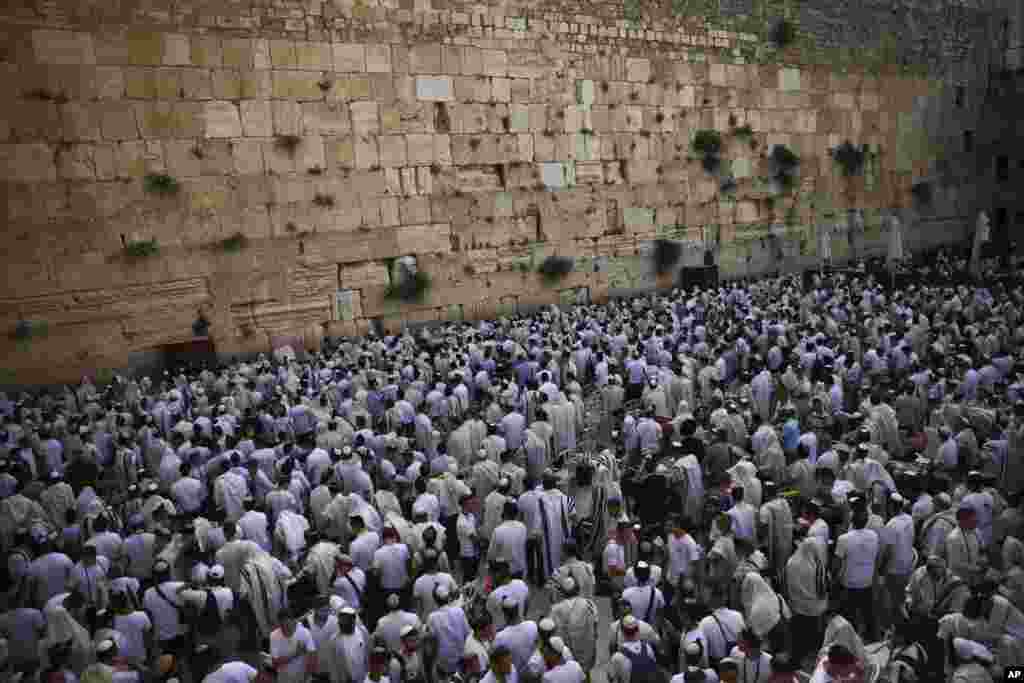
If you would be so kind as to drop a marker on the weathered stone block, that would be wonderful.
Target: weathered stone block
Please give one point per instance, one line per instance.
(196, 84)
(297, 85)
(325, 118)
(221, 120)
(585, 93)
(365, 118)
(144, 83)
(177, 50)
(27, 163)
(118, 121)
(425, 59)
(367, 155)
(238, 53)
(392, 150)
(313, 56)
(282, 54)
(257, 118)
(81, 122)
(590, 173)
(434, 89)
(206, 51)
(501, 90)
(349, 57)
(341, 152)
(347, 88)
(247, 156)
(638, 218)
(64, 47)
(287, 118)
(494, 62)
(145, 48)
(638, 70)
(420, 148)
(378, 59)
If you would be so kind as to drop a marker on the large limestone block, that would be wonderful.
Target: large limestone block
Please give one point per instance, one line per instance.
(221, 120)
(494, 62)
(206, 51)
(378, 59)
(313, 56)
(638, 70)
(501, 90)
(63, 47)
(118, 121)
(366, 151)
(238, 53)
(177, 50)
(287, 118)
(145, 48)
(297, 85)
(365, 118)
(392, 150)
(257, 118)
(425, 59)
(325, 118)
(349, 57)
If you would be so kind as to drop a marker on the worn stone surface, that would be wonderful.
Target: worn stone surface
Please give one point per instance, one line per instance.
(471, 135)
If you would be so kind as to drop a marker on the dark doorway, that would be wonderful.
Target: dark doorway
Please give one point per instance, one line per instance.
(191, 354)
(698, 277)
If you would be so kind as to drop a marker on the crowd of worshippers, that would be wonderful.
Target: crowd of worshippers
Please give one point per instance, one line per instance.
(767, 479)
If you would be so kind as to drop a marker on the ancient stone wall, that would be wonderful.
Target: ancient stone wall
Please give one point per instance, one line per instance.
(335, 137)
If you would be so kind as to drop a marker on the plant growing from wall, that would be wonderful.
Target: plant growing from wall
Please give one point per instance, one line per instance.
(235, 243)
(784, 164)
(708, 143)
(631, 11)
(782, 33)
(160, 184)
(26, 330)
(850, 158)
(141, 249)
(728, 185)
(665, 254)
(288, 143)
(744, 132)
(201, 326)
(554, 269)
(409, 286)
(324, 201)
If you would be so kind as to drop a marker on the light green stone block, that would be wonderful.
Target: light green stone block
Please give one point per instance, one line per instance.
(638, 217)
(504, 205)
(742, 168)
(519, 119)
(585, 93)
(789, 79)
(570, 173)
(518, 23)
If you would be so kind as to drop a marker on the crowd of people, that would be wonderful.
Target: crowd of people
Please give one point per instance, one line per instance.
(766, 480)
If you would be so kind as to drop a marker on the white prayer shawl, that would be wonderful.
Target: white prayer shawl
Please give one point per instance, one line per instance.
(536, 454)
(57, 500)
(695, 486)
(554, 516)
(233, 556)
(577, 622)
(564, 423)
(778, 517)
(841, 632)
(324, 634)
(406, 532)
(290, 533)
(264, 588)
(370, 515)
(744, 473)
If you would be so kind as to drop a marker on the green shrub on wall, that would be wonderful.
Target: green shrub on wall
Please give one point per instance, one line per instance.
(141, 249)
(160, 184)
(665, 255)
(554, 269)
(850, 157)
(784, 165)
(708, 143)
(408, 286)
(782, 33)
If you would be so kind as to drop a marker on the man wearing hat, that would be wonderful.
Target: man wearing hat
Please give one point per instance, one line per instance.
(390, 626)
(449, 628)
(635, 659)
(518, 635)
(350, 648)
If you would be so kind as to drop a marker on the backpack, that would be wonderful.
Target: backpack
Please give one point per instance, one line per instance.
(643, 665)
(209, 616)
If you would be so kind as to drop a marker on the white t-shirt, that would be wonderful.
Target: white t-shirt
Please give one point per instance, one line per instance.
(645, 601)
(285, 646)
(424, 587)
(569, 672)
(520, 639)
(509, 541)
(466, 529)
(133, 627)
(726, 629)
(392, 560)
(349, 593)
(899, 542)
(682, 552)
(858, 549)
(166, 619)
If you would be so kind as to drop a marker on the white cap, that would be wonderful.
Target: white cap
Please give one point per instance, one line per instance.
(407, 630)
(106, 645)
(509, 602)
(558, 645)
(442, 592)
(629, 622)
(547, 624)
(336, 603)
(568, 584)
(215, 572)
(348, 611)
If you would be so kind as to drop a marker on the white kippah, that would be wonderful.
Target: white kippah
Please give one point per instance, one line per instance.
(509, 602)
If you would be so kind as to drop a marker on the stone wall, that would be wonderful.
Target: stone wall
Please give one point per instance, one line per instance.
(338, 136)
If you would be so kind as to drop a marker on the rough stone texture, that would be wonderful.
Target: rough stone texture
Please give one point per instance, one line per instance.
(336, 136)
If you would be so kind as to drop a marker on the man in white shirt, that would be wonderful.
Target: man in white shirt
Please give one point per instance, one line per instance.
(897, 556)
(509, 540)
(518, 636)
(89, 578)
(364, 543)
(744, 517)
(163, 606)
(856, 559)
(393, 563)
(429, 580)
(645, 599)
(292, 651)
(466, 528)
(721, 631)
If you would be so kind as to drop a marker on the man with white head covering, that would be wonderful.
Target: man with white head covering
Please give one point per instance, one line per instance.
(450, 628)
